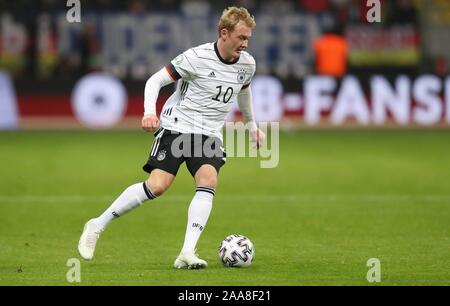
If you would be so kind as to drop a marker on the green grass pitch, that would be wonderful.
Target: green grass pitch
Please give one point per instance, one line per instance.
(337, 199)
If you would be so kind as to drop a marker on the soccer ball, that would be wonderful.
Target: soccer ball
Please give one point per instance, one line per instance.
(236, 251)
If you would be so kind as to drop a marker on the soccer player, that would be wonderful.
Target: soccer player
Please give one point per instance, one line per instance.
(211, 76)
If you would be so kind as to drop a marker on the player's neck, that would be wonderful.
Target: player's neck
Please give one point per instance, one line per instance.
(222, 54)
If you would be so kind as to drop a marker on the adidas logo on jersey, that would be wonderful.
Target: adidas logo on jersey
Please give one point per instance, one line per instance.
(212, 75)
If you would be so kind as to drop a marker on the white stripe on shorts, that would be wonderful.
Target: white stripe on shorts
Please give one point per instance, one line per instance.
(156, 142)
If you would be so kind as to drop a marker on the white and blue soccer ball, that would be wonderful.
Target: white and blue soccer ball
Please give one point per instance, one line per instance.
(236, 251)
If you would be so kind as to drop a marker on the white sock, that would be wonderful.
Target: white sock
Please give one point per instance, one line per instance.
(131, 198)
(198, 215)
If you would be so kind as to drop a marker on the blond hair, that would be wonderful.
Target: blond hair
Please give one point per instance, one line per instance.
(231, 17)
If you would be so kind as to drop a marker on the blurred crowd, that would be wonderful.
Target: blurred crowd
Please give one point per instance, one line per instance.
(394, 11)
(346, 14)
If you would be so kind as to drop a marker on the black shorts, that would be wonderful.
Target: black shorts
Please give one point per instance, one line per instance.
(170, 149)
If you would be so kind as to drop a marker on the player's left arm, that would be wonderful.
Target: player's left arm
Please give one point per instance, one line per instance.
(246, 107)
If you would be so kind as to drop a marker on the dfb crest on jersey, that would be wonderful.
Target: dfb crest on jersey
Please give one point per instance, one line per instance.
(241, 76)
(161, 155)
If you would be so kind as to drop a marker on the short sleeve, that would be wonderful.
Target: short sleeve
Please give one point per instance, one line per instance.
(182, 66)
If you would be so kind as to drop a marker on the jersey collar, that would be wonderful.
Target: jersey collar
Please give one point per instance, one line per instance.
(220, 57)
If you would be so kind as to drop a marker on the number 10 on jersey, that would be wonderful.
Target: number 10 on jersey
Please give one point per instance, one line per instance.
(226, 96)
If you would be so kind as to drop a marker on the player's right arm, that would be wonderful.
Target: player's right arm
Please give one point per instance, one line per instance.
(150, 121)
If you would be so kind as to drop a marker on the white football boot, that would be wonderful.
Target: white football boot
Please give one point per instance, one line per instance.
(88, 240)
(189, 261)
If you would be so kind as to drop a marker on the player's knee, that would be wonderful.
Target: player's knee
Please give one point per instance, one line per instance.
(159, 181)
(158, 187)
(207, 181)
(206, 176)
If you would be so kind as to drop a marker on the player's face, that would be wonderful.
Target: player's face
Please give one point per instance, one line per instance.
(237, 40)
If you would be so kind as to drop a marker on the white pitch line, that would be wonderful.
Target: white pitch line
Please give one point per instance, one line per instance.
(236, 197)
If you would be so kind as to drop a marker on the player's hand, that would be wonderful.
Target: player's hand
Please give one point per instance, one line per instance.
(258, 138)
(150, 123)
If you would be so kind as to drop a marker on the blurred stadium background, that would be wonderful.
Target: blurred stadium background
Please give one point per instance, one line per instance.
(364, 166)
(396, 71)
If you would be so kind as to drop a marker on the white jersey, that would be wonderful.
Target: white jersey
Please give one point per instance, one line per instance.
(207, 88)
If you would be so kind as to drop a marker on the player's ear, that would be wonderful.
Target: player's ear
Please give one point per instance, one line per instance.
(224, 33)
